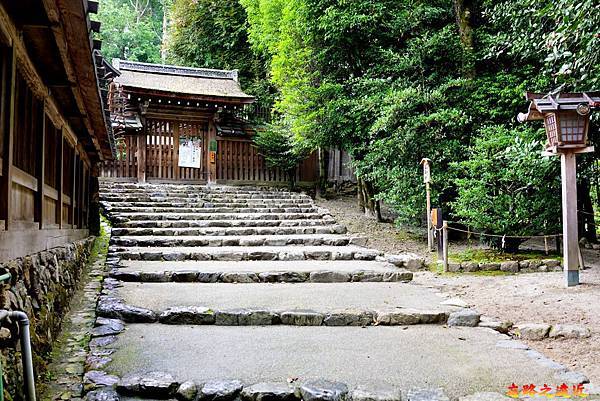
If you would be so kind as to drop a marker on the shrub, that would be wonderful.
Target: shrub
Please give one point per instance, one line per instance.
(507, 188)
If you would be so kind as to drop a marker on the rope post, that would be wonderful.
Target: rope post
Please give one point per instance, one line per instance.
(445, 244)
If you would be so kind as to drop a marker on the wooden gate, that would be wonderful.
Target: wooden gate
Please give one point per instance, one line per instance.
(162, 150)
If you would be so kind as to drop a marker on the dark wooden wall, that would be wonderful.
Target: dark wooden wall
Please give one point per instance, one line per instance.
(44, 173)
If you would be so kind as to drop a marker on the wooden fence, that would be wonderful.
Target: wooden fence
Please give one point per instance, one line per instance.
(236, 160)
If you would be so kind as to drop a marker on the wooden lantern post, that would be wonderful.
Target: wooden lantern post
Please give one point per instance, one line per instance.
(427, 179)
(566, 119)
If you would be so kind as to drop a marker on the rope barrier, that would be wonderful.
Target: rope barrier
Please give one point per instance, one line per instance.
(502, 236)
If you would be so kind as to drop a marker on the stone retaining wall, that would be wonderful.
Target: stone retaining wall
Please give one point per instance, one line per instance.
(533, 265)
(42, 285)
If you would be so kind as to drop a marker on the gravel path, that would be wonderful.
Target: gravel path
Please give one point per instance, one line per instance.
(531, 297)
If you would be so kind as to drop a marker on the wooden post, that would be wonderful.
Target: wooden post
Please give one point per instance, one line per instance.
(73, 187)
(429, 232)
(445, 244)
(176, 150)
(40, 172)
(211, 164)
(141, 157)
(569, 221)
(60, 167)
(7, 159)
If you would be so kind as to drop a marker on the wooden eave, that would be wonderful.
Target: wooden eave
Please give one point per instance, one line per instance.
(53, 44)
(134, 91)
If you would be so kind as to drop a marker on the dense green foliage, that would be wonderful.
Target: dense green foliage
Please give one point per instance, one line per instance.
(504, 188)
(276, 144)
(132, 29)
(213, 34)
(393, 81)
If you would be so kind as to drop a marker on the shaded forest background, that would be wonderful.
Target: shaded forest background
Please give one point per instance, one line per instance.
(393, 81)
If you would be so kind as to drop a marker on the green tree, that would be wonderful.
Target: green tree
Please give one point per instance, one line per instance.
(131, 29)
(213, 34)
(506, 188)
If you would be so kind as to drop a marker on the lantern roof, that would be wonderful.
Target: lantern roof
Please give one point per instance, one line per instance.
(548, 103)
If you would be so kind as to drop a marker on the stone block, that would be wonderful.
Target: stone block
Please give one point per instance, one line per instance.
(156, 385)
(349, 318)
(465, 317)
(268, 392)
(510, 266)
(532, 331)
(469, 266)
(301, 318)
(569, 331)
(326, 276)
(187, 315)
(220, 390)
(323, 390)
(426, 394)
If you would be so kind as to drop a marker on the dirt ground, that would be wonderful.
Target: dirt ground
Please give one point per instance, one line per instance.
(520, 298)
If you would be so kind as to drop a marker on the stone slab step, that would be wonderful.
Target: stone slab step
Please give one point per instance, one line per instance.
(162, 188)
(240, 253)
(322, 298)
(259, 271)
(251, 203)
(211, 209)
(120, 217)
(260, 230)
(238, 240)
(146, 196)
(221, 223)
(461, 360)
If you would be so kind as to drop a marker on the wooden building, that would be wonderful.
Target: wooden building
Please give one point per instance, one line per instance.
(160, 112)
(53, 125)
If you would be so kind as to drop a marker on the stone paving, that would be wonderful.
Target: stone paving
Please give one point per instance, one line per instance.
(224, 293)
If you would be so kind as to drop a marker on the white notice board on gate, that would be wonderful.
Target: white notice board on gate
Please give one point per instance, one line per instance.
(189, 152)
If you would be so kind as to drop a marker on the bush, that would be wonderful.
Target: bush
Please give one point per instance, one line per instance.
(277, 145)
(507, 188)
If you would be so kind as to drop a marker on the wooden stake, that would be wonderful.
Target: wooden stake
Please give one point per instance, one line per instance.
(445, 244)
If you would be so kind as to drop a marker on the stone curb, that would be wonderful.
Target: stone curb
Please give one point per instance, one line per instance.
(540, 331)
(296, 254)
(114, 308)
(251, 240)
(524, 266)
(288, 276)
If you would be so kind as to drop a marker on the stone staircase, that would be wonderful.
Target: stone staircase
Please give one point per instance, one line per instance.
(211, 285)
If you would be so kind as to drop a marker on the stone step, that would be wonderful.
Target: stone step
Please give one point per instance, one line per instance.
(301, 304)
(196, 189)
(260, 230)
(259, 271)
(122, 217)
(128, 196)
(266, 203)
(461, 360)
(238, 240)
(219, 223)
(245, 253)
(211, 209)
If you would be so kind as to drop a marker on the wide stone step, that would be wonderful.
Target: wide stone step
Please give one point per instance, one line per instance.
(195, 189)
(303, 304)
(265, 203)
(259, 271)
(121, 217)
(220, 223)
(210, 209)
(246, 253)
(219, 231)
(239, 240)
(461, 360)
(126, 196)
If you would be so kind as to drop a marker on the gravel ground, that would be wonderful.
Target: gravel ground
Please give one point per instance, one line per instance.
(530, 297)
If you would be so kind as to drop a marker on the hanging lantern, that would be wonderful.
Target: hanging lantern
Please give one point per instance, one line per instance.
(566, 117)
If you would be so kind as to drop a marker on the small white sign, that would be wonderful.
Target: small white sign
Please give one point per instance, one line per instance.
(189, 152)
(426, 173)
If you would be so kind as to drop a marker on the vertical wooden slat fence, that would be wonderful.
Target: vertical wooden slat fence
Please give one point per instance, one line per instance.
(125, 163)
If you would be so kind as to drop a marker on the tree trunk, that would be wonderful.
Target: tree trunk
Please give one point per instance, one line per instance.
(586, 220)
(464, 11)
(322, 183)
(366, 199)
(165, 31)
